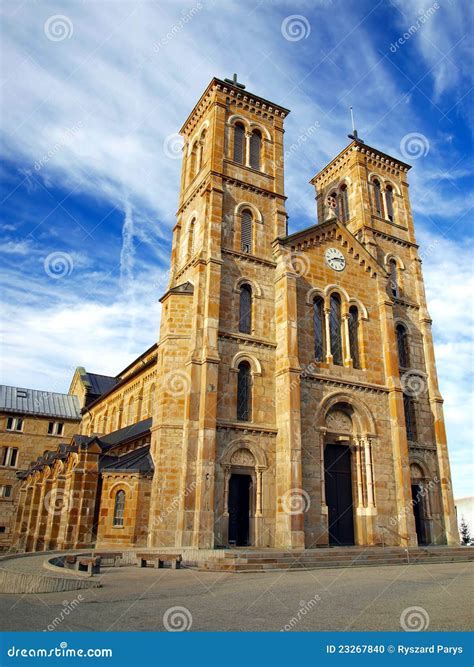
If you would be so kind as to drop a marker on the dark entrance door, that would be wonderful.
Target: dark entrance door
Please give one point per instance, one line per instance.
(239, 509)
(416, 494)
(337, 465)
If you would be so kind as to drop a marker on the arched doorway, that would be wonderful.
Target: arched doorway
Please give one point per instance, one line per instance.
(243, 466)
(421, 503)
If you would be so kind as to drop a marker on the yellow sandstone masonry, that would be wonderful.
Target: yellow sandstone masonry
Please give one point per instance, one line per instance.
(292, 398)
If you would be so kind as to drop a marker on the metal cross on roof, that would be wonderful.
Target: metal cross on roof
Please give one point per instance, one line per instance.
(234, 81)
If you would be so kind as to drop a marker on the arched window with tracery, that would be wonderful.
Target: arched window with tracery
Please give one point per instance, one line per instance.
(244, 392)
(246, 231)
(119, 508)
(402, 344)
(255, 149)
(319, 331)
(343, 206)
(389, 202)
(354, 336)
(377, 196)
(393, 271)
(335, 328)
(410, 417)
(245, 309)
(239, 143)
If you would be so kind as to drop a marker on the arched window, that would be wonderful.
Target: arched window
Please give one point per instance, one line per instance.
(245, 309)
(343, 207)
(335, 329)
(389, 202)
(393, 271)
(193, 161)
(354, 336)
(200, 158)
(377, 196)
(318, 319)
(402, 344)
(239, 139)
(246, 231)
(410, 418)
(255, 149)
(119, 508)
(190, 252)
(244, 392)
(333, 202)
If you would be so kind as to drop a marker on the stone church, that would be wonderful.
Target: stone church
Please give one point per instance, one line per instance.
(292, 399)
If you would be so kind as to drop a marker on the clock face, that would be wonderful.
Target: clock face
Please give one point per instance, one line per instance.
(335, 259)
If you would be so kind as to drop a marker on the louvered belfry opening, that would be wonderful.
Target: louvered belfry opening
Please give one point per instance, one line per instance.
(239, 138)
(246, 231)
(255, 149)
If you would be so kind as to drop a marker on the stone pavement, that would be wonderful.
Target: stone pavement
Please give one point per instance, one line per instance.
(371, 598)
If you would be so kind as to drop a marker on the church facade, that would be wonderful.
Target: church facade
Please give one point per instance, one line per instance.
(292, 398)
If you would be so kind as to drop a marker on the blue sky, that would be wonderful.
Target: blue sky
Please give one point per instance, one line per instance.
(93, 94)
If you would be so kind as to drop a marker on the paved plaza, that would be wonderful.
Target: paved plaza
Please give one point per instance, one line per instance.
(363, 598)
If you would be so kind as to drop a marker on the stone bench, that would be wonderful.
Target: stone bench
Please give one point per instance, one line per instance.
(159, 559)
(70, 562)
(114, 556)
(89, 565)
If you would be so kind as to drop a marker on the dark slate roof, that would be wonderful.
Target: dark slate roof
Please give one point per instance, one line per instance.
(36, 402)
(137, 461)
(101, 383)
(126, 433)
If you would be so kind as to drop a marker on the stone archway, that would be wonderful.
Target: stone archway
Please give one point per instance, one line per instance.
(243, 464)
(348, 504)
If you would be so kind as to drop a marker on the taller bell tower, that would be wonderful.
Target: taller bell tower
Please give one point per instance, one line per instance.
(231, 208)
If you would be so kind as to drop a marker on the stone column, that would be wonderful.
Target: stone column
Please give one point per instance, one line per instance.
(360, 489)
(346, 341)
(369, 475)
(327, 337)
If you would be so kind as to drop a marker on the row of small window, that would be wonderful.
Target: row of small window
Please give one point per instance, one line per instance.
(16, 424)
(8, 456)
(321, 348)
(247, 152)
